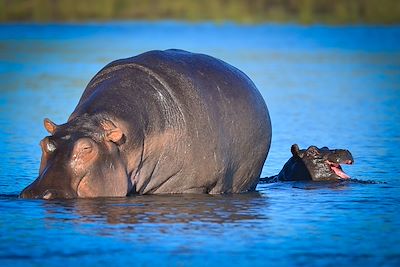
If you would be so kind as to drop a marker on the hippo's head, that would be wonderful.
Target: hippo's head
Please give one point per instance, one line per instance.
(323, 164)
(80, 159)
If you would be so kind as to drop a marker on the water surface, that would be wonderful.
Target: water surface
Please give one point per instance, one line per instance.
(325, 86)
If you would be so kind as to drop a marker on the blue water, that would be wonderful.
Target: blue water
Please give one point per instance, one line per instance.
(336, 86)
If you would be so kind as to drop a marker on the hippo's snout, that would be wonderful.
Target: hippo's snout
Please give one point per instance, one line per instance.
(58, 194)
(47, 194)
(30, 192)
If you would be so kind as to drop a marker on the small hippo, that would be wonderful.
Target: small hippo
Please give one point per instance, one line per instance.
(161, 122)
(316, 164)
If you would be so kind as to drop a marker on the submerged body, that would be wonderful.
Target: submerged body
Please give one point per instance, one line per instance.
(161, 122)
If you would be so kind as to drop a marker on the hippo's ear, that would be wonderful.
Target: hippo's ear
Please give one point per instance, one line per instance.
(112, 133)
(115, 135)
(50, 126)
(296, 151)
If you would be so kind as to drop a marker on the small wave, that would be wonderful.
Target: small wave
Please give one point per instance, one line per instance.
(274, 179)
(268, 180)
(8, 195)
(358, 181)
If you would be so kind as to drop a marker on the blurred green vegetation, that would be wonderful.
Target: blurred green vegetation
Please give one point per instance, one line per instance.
(244, 11)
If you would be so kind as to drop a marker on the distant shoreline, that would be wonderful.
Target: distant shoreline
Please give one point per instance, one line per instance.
(197, 22)
(382, 12)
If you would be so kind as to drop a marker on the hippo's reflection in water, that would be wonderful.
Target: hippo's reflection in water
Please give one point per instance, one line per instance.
(162, 209)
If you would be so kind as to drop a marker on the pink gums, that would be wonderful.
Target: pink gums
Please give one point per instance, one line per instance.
(338, 169)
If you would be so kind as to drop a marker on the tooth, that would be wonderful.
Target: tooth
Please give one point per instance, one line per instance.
(48, 195)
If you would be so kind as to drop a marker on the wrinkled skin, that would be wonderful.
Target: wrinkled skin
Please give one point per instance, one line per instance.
(161, 122)
(316, 164)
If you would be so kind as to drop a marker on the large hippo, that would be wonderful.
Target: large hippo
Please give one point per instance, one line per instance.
(160, 122)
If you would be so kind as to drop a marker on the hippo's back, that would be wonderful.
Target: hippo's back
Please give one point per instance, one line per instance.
(220, 117)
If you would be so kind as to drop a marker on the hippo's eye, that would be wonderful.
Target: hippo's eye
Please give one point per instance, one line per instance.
(83, 146)
(87, 149)
(50, 146)
(312, 151)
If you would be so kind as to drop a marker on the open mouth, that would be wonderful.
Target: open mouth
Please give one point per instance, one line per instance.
(337, 169)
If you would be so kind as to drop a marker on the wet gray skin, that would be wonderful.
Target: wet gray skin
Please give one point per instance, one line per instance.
(162, 122)
(316, 164)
